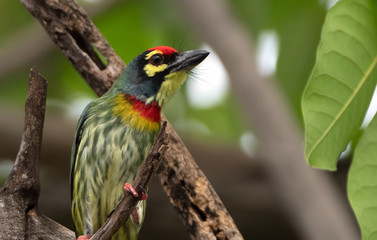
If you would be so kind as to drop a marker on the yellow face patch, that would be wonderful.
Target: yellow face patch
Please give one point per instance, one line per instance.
(149, 55)
(171, 84)
(151, 69)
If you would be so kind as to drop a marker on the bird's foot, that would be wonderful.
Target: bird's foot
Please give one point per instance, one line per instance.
(84, 237)
(144, 195)
(128, 187)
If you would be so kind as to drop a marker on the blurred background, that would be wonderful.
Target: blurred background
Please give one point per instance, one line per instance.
(205, 113)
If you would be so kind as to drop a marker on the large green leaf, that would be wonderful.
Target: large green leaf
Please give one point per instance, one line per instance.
(342, 82)
(362, 182)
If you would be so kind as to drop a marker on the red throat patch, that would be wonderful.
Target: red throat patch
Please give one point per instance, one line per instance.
(151, 112)
(165, 50)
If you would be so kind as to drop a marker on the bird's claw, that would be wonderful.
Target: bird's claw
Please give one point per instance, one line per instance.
(128, 187)
(144, 195)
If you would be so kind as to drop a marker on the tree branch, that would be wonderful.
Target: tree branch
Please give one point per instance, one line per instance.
(190, 192)
(70, 28)
(19, 218)
(24, 177)
(77, 37)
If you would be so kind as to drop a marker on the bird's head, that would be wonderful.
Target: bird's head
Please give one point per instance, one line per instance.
(156, 74)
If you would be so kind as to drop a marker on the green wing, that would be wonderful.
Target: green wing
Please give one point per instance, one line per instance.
(77, 141)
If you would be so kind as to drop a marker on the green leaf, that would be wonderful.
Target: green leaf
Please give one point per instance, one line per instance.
(362, 182)
(342, 82)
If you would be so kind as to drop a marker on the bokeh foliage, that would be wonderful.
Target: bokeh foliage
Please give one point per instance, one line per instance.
(133, 26)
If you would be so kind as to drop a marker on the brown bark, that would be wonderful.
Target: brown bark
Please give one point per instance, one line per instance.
(19, 215)
(192, 195)
(75, 34)
(71, 29)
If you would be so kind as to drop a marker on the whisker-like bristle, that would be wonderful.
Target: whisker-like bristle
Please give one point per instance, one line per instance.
(197, 76)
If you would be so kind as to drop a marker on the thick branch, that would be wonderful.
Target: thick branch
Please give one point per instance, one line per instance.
(192, 195)
(24, 177)
(70, 28)
(21, 190)
(19, 218)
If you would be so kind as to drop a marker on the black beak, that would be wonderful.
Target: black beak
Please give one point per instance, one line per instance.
(188, 60)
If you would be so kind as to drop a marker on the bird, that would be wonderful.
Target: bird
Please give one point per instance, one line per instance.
(115, 133)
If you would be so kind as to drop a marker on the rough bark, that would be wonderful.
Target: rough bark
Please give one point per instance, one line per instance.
(71, 29)
(192, 195)
(75, 34)
(19, 215)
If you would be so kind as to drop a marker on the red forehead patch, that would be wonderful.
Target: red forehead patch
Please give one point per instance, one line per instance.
(165, 50)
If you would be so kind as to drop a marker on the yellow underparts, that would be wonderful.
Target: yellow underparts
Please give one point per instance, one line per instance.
(132, 117)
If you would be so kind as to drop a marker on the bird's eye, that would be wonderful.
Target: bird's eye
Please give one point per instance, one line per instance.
(157, 59)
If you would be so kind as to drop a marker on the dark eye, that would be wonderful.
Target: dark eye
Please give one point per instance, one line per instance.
(156, 59)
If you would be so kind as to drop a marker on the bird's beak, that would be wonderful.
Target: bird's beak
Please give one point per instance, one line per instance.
(186, 61)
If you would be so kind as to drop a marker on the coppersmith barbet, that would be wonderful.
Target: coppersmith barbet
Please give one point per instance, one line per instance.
(115, 133)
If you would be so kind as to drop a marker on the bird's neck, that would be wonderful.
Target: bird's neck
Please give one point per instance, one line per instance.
(151, 112)
(137, 113)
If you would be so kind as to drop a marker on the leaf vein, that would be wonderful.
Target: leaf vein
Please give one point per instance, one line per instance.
(322, 112)
(365, 8)
(327, 96)
(315, 127)
(371, 35)
(347, 58)
(336, 79)
(345, 106)
(361, 44)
